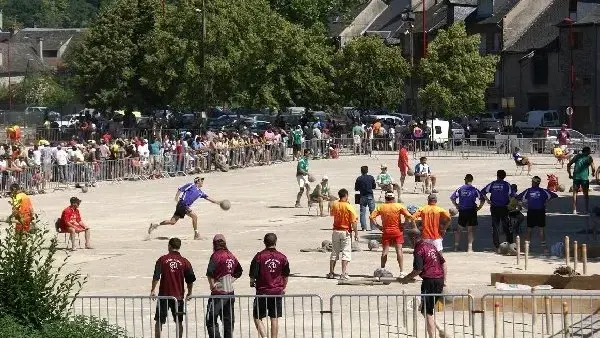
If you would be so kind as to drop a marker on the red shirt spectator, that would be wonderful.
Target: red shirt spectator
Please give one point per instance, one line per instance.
(270, 269)
(172, 270)
(71, 217)
(403, 160)
(428, 260)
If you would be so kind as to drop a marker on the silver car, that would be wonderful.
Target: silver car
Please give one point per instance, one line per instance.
(457, 133)
(545, 138)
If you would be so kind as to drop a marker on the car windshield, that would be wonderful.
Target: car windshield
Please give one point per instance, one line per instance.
(575, 133)
(456, 126)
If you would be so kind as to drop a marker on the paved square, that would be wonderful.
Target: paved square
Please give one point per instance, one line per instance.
(262, 201)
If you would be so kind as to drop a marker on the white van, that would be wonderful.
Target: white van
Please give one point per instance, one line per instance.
(537, 119)
(440, 132)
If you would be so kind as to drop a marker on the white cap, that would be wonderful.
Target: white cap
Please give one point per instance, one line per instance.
(325, 178)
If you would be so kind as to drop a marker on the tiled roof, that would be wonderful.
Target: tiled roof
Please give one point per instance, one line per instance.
(589, 12)
(543, 30)
(20, 53)
(53, 39)
(337, 24)
(391, 19)
(501, 9)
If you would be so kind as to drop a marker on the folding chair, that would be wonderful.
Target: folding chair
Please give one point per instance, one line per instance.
(519, 165)
(59, 231)
(419, 184)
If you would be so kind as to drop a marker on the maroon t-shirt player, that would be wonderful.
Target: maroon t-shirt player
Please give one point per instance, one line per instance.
(428, 260)
(270, 268)
(173, 270)
(222, 263)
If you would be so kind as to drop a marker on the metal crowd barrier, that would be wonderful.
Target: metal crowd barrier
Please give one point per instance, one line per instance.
(506, 315)
(300, 315)
(134, 314)
(541, 314)
(50, 177)
(399, 315)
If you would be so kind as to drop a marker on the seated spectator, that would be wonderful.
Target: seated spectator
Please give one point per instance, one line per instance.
(322, 193)
(521, 160)
(423, 173)
(386, 182)
(71, 223)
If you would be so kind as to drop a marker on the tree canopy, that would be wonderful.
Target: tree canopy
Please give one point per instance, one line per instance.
(455, 74)
(370, 74)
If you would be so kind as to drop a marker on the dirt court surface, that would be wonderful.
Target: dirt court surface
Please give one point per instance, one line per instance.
(262, 201)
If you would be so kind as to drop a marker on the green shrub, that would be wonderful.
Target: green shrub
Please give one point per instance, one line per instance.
(78, 327)
(33, 288)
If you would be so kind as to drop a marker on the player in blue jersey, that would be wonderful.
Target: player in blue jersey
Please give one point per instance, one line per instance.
(185, 197)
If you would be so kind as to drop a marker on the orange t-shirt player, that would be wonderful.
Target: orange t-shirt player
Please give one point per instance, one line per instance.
(392, 219)
(22, 210)
(344, 216)
(435, 221)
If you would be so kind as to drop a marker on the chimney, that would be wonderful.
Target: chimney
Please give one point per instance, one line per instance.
(41, 48)
(485, 8)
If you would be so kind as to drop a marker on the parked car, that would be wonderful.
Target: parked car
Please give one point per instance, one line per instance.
(489, 128)
(457, 133)
(544, 139)
(537, 119)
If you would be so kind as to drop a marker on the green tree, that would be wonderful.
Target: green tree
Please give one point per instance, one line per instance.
(107, 64)
(42, 90)
(309, 13)
(33, 288)
(455, 74)
(370, 74)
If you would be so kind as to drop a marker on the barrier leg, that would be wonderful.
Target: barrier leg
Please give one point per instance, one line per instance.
(547, 313)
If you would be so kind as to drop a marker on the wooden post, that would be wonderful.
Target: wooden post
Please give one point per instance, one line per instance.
(584, 257)
(518, 243)
(526, 254)
(566, 325)
(497, 320)
(547, 312)
(575, 256)
(567, 251)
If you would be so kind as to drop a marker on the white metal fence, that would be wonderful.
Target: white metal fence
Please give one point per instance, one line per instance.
(538, 314)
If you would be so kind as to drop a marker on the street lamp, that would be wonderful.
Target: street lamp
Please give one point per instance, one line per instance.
(570, 22)
(508, 103)
(408, 16)
(203, 56)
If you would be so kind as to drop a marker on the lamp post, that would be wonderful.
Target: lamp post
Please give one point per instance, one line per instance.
(508, 103)
(408, 16)
(569, 21)
(203, 56)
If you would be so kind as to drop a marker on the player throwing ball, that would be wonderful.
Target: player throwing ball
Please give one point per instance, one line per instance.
(185, 197)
